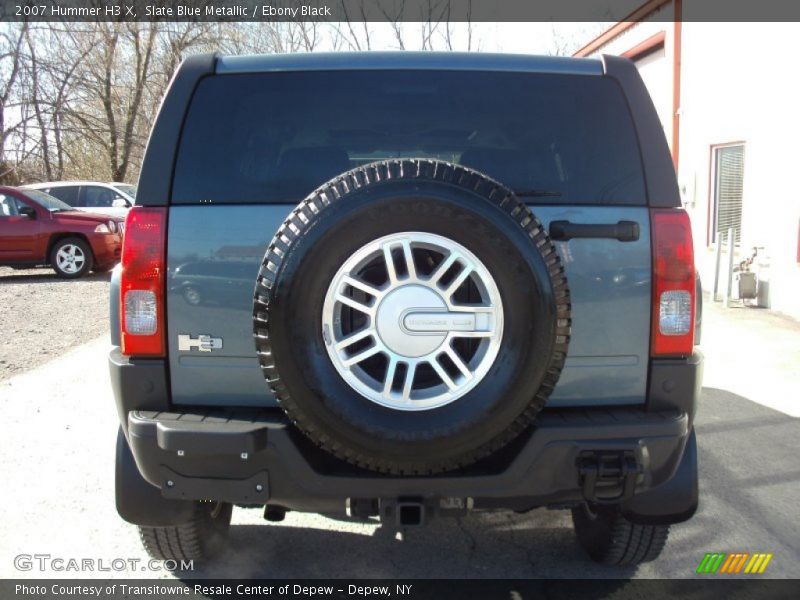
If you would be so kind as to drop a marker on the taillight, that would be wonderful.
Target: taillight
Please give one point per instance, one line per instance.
(673, 283)
(142, 282)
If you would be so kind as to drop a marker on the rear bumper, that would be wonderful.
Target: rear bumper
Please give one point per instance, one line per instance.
(257, 457)
(226, 456)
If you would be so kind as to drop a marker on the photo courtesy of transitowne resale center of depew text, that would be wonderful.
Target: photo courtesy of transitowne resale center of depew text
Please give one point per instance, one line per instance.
(399, 299)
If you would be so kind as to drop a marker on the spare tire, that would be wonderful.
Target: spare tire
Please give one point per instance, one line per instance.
(411, 316)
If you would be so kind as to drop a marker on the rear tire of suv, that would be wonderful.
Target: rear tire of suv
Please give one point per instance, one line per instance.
(200, 538)
(611, 539)
(355, 413)
(71, 258)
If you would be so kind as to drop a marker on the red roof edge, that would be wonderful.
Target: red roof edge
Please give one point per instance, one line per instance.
(609, 34)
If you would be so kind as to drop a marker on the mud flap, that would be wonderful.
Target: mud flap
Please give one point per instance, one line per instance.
(675, 500)
(138, 501)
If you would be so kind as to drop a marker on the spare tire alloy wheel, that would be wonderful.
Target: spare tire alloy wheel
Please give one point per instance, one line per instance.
(411, 316)
(412, 320)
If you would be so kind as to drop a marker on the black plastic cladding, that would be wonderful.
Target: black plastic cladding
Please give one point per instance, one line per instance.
(155, 181)
(659, 172)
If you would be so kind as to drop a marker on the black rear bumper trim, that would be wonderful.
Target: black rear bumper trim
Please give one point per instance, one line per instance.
(219, 455)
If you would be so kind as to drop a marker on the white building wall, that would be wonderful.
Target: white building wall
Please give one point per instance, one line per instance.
(739, 82)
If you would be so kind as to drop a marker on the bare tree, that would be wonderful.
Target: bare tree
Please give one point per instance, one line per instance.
(395, 20)
(448, 28)
(469, 26)
(79, 99)
(565, 44)
(50, 63)
(418, 25)
(36, 102)
(560, 45)
(435, 12)
(279, 37)
(112, 83)
(11, 41)
(309, 33)
(351, 35)
(175, 41)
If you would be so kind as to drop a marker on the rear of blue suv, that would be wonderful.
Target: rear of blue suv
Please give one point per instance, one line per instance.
(406, 286)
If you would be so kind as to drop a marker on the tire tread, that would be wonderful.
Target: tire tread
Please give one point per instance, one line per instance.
(611, 539)
(188, 541)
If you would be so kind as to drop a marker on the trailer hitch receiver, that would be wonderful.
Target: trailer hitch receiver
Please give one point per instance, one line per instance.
(608, 477)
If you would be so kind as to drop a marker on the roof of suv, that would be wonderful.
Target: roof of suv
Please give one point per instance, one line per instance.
(461, 61)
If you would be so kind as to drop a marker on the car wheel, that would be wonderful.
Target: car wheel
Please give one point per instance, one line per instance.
(412, 316)
(611, 539)
(71, 258)
(192, 296)
(200, 538)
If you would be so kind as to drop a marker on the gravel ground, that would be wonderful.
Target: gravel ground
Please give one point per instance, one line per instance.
(43, 316)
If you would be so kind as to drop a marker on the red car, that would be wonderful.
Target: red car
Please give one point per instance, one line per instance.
(38, 229)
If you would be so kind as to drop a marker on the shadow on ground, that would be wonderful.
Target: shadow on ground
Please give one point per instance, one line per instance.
(749, 483)
(488, 545)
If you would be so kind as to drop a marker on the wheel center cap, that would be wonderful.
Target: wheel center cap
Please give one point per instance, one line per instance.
(407, 321)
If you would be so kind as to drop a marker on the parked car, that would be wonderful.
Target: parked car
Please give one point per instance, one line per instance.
(212, 281)
(113, 199)
(477, 292)
(38, 229)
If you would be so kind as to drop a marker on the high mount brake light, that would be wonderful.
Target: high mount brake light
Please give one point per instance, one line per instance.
(674, 288)
(142, 282)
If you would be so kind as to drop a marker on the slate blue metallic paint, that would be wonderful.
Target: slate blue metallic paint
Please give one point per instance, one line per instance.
(609, 281)
(236, 235)
(610, 287)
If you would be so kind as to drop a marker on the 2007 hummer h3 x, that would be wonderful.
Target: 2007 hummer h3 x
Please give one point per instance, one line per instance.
(405, 286)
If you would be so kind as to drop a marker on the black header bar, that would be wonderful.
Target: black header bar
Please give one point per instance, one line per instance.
(396, 11)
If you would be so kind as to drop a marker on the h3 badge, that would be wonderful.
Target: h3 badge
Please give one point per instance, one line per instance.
(203, 343)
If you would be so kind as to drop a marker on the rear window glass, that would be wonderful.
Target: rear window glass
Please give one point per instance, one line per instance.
(274, 137)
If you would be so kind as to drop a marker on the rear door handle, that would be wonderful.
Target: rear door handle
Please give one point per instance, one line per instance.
(624, 231)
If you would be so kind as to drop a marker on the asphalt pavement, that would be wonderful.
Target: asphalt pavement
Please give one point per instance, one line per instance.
(59, 427)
